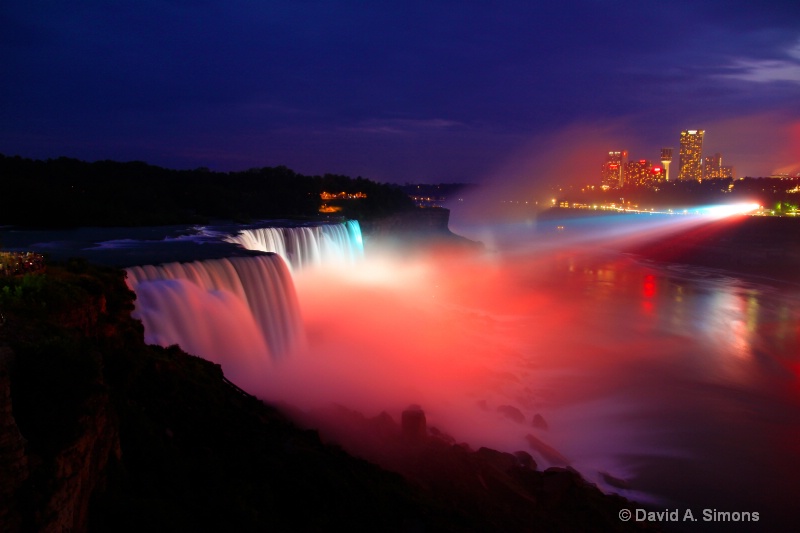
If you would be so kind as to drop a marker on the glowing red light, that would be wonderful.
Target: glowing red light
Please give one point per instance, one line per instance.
(649, 289)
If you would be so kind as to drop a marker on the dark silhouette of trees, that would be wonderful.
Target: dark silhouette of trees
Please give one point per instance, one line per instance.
(66, 192)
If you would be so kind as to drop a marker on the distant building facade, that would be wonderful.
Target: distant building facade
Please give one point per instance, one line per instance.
(613, 173)
(666, 159)
(712, 166)
(643, 173)
(637, 173)
(691, 154)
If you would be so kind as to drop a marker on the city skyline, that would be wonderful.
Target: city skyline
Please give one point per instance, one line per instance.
(694, 164)
(401, 91)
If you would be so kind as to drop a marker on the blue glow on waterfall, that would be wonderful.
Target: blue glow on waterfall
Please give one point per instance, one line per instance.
(306, 246)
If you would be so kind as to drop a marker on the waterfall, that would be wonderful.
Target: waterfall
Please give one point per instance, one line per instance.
(304, 246)
(236, 312)
(240, 312)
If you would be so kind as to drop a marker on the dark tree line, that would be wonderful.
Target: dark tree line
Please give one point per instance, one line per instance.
(66, 192)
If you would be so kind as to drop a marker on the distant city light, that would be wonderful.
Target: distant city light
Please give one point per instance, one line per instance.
(726, 210)
(715, 211)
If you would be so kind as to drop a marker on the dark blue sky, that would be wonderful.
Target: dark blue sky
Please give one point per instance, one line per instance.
(401, 91)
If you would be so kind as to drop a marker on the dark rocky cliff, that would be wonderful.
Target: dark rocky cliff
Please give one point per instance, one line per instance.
(101, 432)
(14, 469)
(427, 225)
(419, 220)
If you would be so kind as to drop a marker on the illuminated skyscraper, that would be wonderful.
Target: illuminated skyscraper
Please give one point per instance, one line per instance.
(666, 159)
(638, 173)
(613, 169)
(691, 162)
(712, 167)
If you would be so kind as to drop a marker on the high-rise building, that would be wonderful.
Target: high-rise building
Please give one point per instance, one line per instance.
(712, 167)
(657, 177)
(613, 169)
(691, 167)
(666, 159)
(642, 173)
(638, 173)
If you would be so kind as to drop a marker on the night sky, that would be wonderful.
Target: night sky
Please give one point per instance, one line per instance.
(402, 91)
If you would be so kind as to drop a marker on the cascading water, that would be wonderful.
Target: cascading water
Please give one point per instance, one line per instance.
(641, 373)
(236, 312)
(304, 246)
(240, 312)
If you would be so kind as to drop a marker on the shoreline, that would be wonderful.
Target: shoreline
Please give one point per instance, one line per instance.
(756, 246)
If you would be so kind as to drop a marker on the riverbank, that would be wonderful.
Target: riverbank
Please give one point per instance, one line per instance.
(764, 247)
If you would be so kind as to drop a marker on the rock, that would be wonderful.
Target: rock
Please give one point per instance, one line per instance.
(550, 454)
(500, 460)
(441, 436)
(539, 422)
(81, 468)
(512, 413)
(13, 460)
(557, 480)
(525, 460)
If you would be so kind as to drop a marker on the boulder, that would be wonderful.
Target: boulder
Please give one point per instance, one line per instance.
(512, 413)
(539, 422)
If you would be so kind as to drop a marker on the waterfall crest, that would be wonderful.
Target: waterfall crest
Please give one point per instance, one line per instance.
(305, 246)
(235, 311)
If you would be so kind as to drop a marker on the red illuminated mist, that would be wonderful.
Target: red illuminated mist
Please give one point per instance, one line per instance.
(568, 156)
(594, 343)
(443, 330)
(633, 368)
(467, 335)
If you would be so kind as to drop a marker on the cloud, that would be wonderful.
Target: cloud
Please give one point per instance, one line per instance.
(767, 70)
(764, 71)
(404, 126)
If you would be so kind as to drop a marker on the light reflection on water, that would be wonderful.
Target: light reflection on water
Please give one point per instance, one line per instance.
(681, 380)
(702, 368)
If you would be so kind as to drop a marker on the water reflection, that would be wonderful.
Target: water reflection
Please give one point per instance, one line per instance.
(715, 383)
(682, 381)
